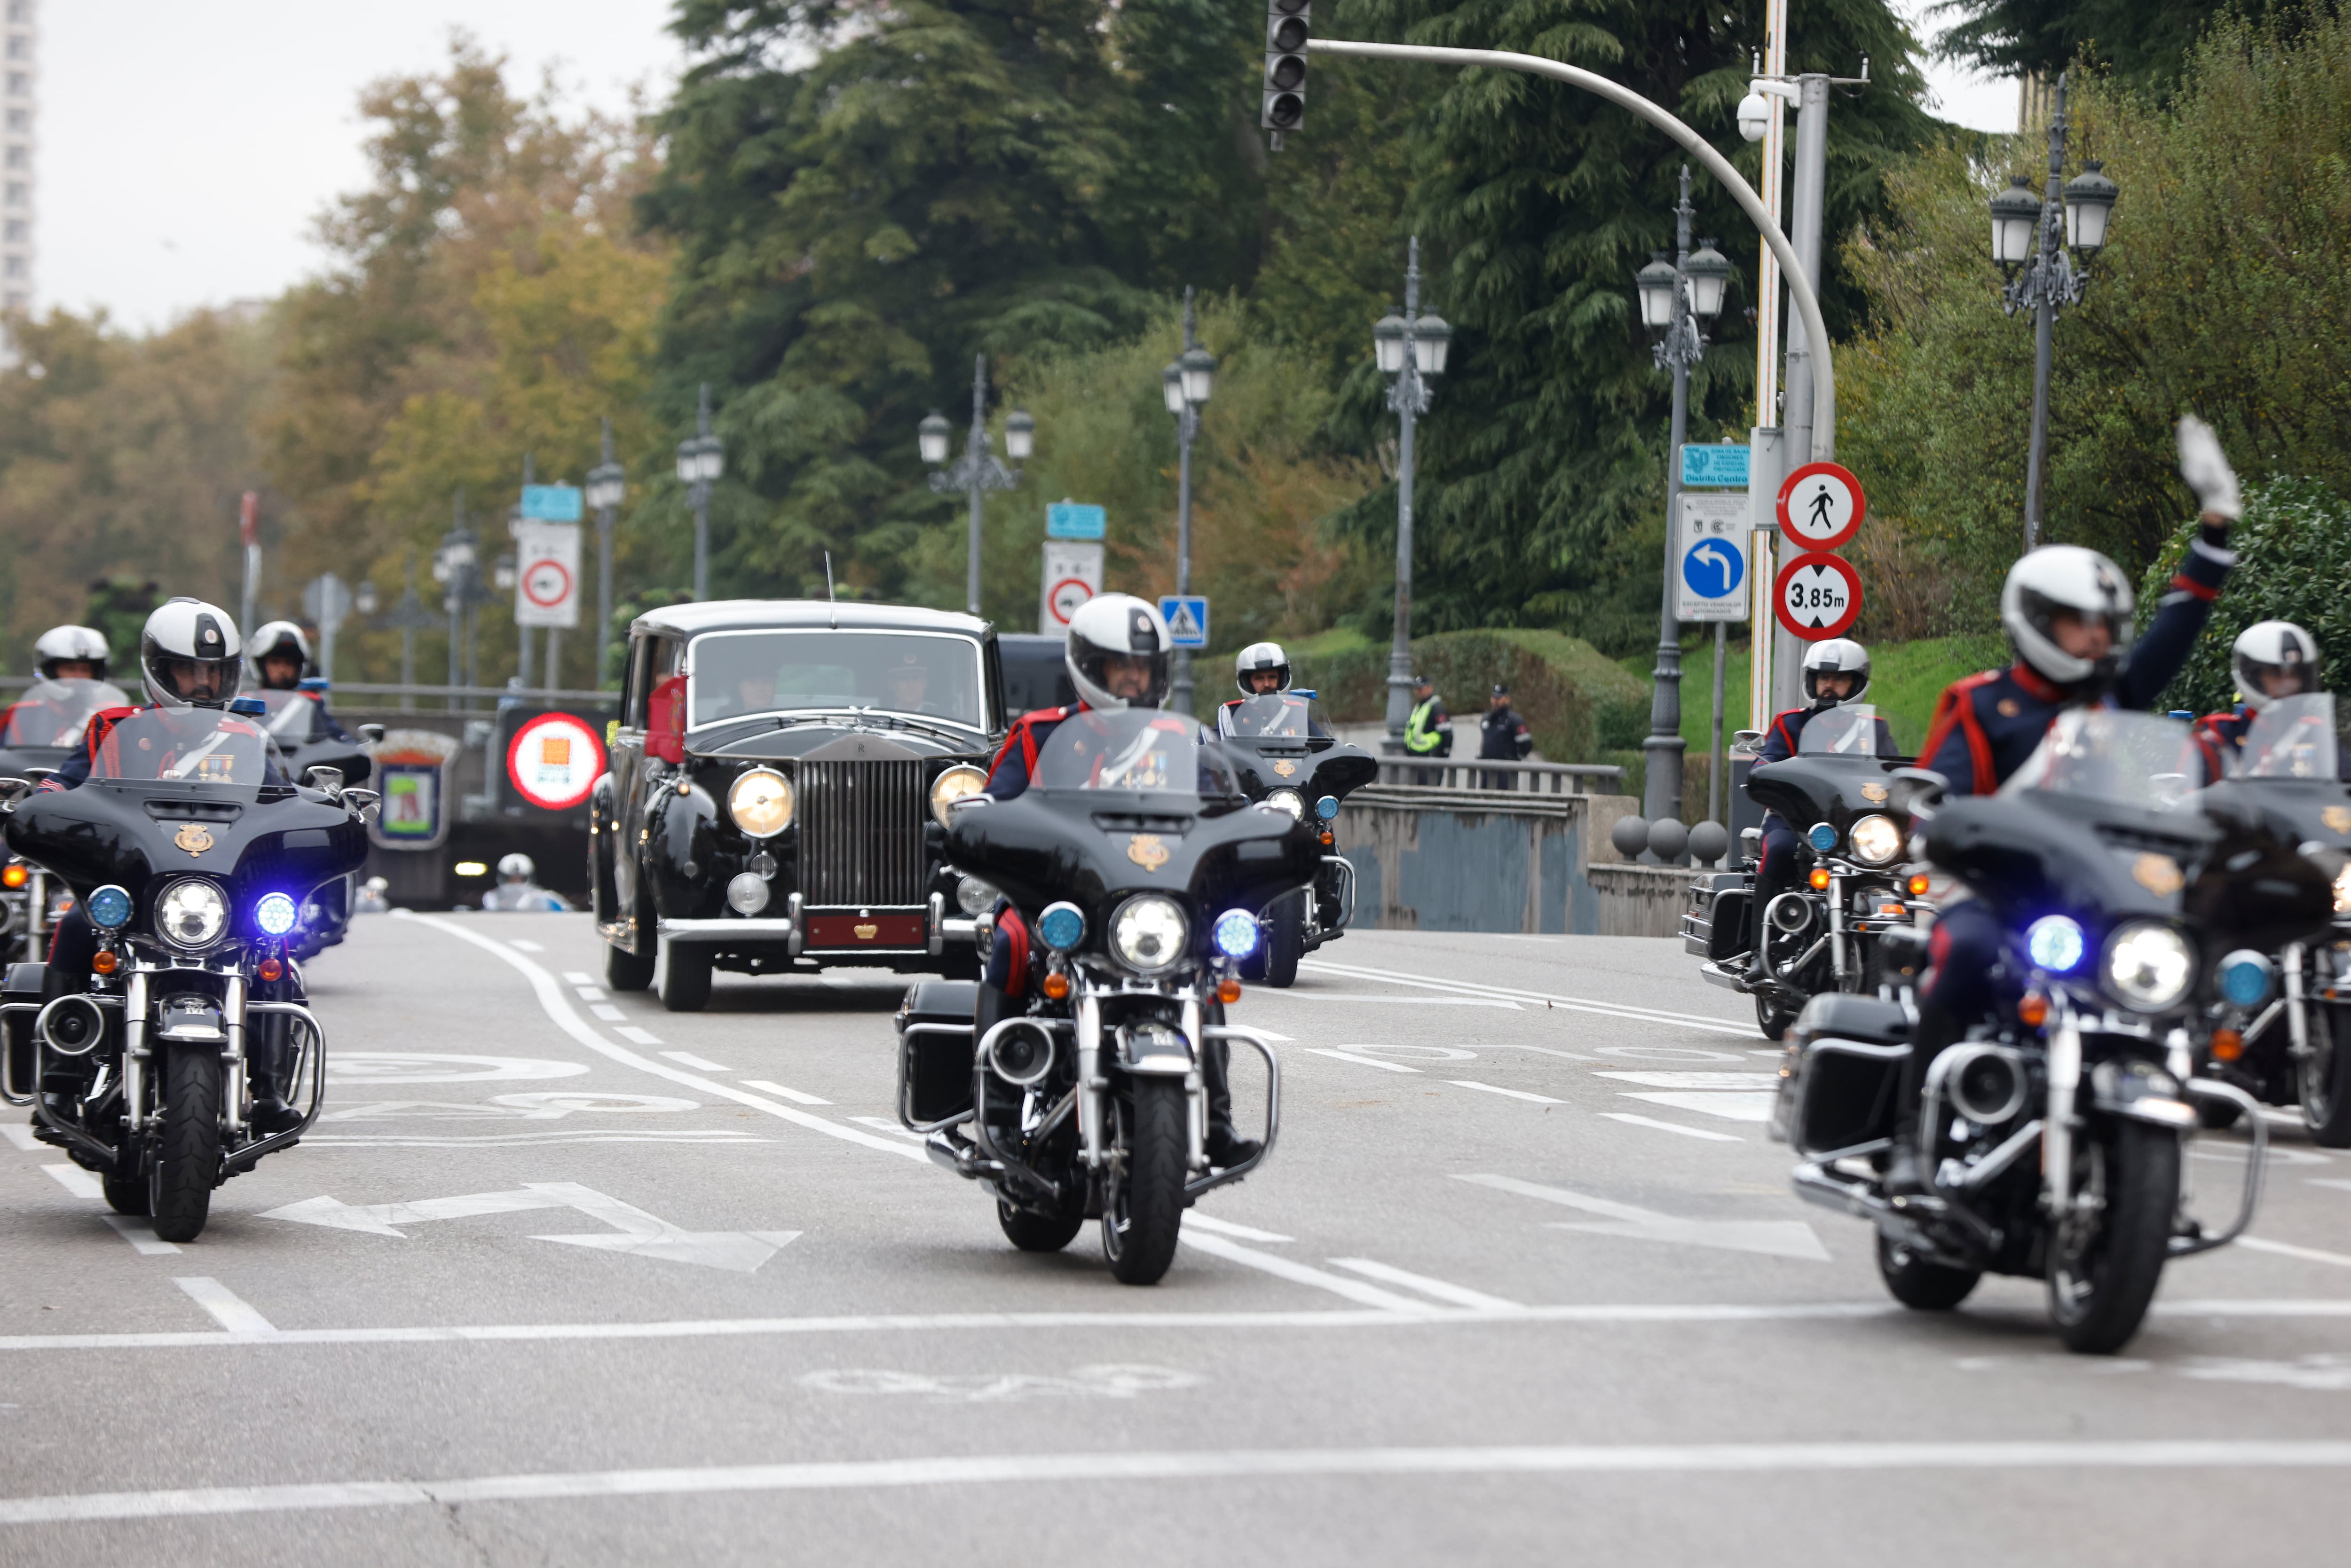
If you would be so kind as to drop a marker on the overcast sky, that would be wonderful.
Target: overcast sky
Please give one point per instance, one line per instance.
(186, 145)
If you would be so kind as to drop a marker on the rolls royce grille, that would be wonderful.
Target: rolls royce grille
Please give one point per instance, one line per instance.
(862, 832)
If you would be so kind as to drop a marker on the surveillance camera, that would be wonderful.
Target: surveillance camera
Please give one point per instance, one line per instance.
(1754, 116)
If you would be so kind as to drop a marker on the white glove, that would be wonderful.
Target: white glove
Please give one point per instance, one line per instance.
(2206, 468)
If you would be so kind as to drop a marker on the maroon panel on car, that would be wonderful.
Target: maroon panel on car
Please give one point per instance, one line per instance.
(836, 932)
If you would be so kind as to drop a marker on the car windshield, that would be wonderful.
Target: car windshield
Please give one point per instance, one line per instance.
(293, 717)
(54, 713)
(2138, 758)
(1276, 715)
(740, 674)
(1849, 729)
(2292, 738)
(1146, 750)
(196, 746)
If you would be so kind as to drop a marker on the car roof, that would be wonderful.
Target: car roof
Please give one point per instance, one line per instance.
(762, 614)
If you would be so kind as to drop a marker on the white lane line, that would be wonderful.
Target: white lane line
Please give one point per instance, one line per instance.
(2286, 1249)
(1361, 1061)
(1572, 1004)
(141, 1233)
(1196, 1465)
(1672, 1127)
(526, 946)
(1739, 1107)
(687, 1058)
(1227, 1228)
(1276, 1038)
(1302, 1273)
(895, 1131)
(609, 1013)
(798, 1096)
(228, 1308)
(533, 1140)
(21, 1135)
(1497, 1089)
(1458, 1295)
(1408, 1001)
(636, 1036)
(557, 1007)
(78, 1181)
(591, 993)
(574, 978)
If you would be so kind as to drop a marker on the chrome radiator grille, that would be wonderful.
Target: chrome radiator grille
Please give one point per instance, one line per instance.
(862, 832)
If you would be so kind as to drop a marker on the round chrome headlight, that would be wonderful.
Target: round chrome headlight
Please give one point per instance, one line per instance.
(1148, 933)
(760, 803)
(1821, 837)
(975, 897)
(952, 784)
(2148, 965)
(1875, 840)
(747, 893)
(192, 914)
(1288, 800)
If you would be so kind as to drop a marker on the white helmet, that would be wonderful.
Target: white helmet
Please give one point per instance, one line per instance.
(276, 636)
(70, 644)
(189, 633)
(1258, 658)
(2273, 648)
(1117, 626)
(516, 867)
(2067, 579)
(1835, 656)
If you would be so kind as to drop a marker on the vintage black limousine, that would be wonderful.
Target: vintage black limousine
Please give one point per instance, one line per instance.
(779, 773)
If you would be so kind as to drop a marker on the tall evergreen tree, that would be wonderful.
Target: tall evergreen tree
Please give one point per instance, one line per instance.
(2142, 42)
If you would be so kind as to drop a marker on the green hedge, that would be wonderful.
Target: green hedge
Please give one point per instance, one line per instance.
(1577, 702)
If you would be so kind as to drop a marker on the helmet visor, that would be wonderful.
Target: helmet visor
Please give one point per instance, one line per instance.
(2291, 677)
(2090, 634)
(1141, 679)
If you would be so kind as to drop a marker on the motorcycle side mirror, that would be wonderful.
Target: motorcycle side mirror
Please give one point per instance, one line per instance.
(13, 789)
(360, 800)
(372, 733)
(38, 774)
(1916, 791)
(330, 780)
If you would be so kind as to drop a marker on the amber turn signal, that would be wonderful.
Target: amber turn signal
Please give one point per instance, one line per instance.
(104, 963)
(16, 875)
(271, 969)
(1820, 879)
(2228, 1044)
(1918, 885)
(1228, 990)
(1056, 987)
(2033, 1009)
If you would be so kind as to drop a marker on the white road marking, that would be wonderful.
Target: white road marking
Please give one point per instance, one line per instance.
(591, 993)
(636, 1036)
(228, 1308)
(1276, 1038)
(1408, 1001)
(78, 1181)
(2285, 1250)
(798, 1096)
(1771, 1238)
(1497, 1089)
(2320, 1372)
(574, 978)
(1060, 1470)
(1460, 1296)
(2334, 1182)
(21, 1135)
(1749, 1081)
(1361, 1061)
(526, 946)
(141, 1233)
(1573, 1004)
(880, 1125)
(349, 1067)
(1672, 1127)
(531, 1140)
(608, 1012)
(1301, 1273)
(639, 1233)
(1120, 1381)
(1663, 1054)
(1423, 1053)
(1775, 1053)
(687, 1059)
(1740, 1107)
(1227, 1228)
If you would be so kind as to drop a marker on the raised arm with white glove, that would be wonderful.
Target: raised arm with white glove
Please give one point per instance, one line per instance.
(2206, 468)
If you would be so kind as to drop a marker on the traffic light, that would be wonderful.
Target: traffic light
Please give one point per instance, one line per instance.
(1285, 65)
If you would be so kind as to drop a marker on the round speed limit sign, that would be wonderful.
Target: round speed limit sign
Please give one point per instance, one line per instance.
(1817, 596)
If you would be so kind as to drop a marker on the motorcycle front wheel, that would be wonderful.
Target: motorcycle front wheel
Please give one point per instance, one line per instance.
(2326, 1079)
(186, 1163)
(1285, 942)
(1140, 1221)
(2105, 1263)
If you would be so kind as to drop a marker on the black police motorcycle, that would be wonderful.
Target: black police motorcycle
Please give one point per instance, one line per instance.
(2054, 1134)
(41, 730)
(2282, 1023)
(1285, 756)
(193, 868)
(1139, 864)
(297, 727)
(1823, 934)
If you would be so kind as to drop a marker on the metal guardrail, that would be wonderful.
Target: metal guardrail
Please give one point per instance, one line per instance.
(1528, 778)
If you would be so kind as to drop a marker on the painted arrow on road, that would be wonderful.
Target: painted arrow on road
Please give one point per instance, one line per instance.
(634, 1230)
(1771, 1238)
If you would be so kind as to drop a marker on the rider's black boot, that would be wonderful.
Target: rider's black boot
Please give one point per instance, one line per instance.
(271, 1069)
(1225, 1147)
(1905, 1168)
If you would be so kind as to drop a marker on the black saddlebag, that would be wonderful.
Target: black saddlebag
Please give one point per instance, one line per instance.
(934, 1047)
(1845, 1055)
(1714, 914)
(22, 984)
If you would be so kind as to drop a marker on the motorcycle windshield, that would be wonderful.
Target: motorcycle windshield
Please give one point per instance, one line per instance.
(54, 713)
(294, 717)
(1143, 751)
(1849, 729)
(2294, 738)
(2136, 758)
(1276, 715)
(185, 745)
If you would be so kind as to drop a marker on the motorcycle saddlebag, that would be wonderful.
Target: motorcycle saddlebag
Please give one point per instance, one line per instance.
(1714, 914)
(1847, 1054)
(22, 984)
(934, 1046)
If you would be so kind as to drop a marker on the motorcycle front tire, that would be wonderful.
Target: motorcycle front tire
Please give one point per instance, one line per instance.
(186, 1164)
(2099, 1297)
(2326, 1079)
(1140, 1223)
(1285, 942)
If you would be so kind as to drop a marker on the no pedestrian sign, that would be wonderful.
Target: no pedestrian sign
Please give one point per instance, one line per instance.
(1817, 596)
(554, 760)
(1820, 506)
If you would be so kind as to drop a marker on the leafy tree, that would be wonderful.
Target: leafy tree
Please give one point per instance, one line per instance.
(2293, 550)
(2141, 42)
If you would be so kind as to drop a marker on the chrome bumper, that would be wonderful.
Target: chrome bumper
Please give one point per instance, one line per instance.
(725, 929)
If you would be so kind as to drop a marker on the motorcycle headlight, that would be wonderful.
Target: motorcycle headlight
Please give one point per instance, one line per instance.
(2244, 977)
(975, 897)
(275, 913)
(1821, 837)
(1875, 840)
(1061, 926)
(1148, 933)
(956, 782)
(760, 803)
(2148, 965)
(1288, 800)
(1235, 933)
(192, 914)
(2053, 943)
(109, 906)
(2343, 890)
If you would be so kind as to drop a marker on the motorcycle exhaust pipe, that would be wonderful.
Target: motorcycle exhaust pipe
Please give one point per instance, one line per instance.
(70, 1026)
(1789, 913)
(1022, 1054)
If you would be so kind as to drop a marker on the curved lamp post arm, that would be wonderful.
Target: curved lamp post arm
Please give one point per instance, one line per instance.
(1800, 288)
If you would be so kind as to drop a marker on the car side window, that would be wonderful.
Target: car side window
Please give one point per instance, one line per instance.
(636, 682)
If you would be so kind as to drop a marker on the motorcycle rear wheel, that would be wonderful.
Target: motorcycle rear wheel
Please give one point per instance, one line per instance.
(186, 1164)
(1772, 1018)
(1034, 1232)
(2326, 1080)
(2103, 1271)
(1920, 1285)
(1140, 1223)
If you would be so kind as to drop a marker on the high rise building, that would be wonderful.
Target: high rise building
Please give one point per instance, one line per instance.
(21, 70)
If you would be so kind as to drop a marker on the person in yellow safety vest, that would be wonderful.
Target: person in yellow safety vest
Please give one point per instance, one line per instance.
(1429, 731)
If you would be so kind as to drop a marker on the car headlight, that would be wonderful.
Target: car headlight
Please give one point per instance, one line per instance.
(1288, 800)
(1148, 933)
(760, 803)
(2343, 890)
(2148, 965)
(192, 914)
(952, 784)
(975, 897)
(1875, 840)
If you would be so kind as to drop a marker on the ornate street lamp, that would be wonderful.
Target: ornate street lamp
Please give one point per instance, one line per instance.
(1411, 348)
(1184, 385)
(701, 459)
(607, 487)
(976, 471)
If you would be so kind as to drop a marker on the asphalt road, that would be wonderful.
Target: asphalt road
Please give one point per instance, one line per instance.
(561, 1277)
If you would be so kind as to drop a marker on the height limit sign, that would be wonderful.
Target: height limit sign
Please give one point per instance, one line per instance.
(1817, 596)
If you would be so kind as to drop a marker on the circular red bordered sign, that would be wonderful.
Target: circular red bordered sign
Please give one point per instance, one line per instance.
(545, 583)
(1084, 591)
(1817, 596)
(1821, 507)
(554, 760)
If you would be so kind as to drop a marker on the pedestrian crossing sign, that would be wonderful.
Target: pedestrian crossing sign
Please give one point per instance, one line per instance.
(1187, 616)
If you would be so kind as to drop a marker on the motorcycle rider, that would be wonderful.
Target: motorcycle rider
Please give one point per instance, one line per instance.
(1119, 654)
(1262, 670)
(518, 888)
(2067, 612)
(48, 713)
(2273, 660)
(277, 659)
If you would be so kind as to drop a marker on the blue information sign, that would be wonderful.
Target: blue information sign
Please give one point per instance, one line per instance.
(1075, 520)
(1187, 619)
(1715, 468)
(550, 503)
